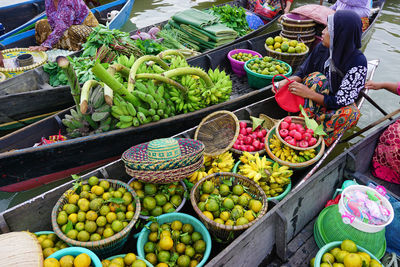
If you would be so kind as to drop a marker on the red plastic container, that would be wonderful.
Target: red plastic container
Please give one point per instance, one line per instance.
(238, 66)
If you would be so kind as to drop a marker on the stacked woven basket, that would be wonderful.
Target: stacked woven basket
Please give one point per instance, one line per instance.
(297, 27)
(164, 161)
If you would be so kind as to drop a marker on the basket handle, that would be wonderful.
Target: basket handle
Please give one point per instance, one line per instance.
(273, 84)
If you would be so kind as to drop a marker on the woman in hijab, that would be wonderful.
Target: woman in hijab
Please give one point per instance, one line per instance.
(333, 75)
(68, 24)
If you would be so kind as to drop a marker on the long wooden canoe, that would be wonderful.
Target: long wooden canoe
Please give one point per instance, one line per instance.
(55, 161)
(34, 84)
(283, 237)
(50, 162)
(27, 38)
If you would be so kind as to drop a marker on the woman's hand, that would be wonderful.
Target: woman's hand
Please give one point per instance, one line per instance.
(38, 48)
(373, 85)
(300, 89)
(279, 85)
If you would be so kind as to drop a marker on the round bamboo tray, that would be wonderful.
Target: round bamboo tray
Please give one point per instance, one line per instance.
(301, 165)
(15, 52)
(103, 247)
(298, 120)
(218, 132)
(240, 152)
(222, 231)
(305, 38)
(294, 60)
(286, 26)
(165, 176)
(20, 249)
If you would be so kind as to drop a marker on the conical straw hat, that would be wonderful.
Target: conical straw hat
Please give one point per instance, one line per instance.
(20, 249)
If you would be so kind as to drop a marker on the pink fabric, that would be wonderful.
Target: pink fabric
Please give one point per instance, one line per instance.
(398, 88)
(69, 12)
(386, 159)
(317, 13)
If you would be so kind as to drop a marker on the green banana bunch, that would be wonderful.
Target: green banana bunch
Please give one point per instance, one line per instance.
(125, 61)
(178, 62)
(75, 124)
(221, 90)
(125, 112)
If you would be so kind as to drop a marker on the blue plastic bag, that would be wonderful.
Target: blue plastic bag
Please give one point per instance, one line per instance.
(393, 230)
(254, 21)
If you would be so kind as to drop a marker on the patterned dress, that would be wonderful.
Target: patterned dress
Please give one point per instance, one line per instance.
(67, 25)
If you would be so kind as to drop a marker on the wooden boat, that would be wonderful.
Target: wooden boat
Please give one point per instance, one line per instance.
(50, 162)
(34, 85)
(28, 13)
(26, 37)
(45, 163)
(283, 237)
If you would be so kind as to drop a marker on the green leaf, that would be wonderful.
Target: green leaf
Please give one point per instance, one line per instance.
(69, 226)
(256, 122)
(75, 177)
(116, 200)
(227, 182)
(310, 123)
(319, 130)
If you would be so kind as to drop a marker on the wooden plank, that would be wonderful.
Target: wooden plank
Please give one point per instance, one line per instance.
(251, 247)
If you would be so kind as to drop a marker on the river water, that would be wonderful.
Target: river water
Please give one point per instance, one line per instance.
(384, 45)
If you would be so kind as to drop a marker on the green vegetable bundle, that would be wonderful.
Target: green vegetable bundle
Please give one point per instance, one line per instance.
(149, 89)
(233, 17)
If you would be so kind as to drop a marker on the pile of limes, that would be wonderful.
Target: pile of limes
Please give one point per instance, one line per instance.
(268, 66)
(129, 260)
(347, 255)
(157, 199)
(243, 56)
(96, 211)
(174, 244)
(82, 260)
(228, 204)
(50, 243)
(282, 44)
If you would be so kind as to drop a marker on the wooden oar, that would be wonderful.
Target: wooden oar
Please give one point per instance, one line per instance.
(388, 116)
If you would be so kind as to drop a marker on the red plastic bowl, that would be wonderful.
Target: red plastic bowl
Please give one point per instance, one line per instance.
(238, 66)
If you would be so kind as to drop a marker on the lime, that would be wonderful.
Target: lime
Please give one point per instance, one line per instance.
(328, 257)
(238, 189)
(117, 226)
(137, 185)
(154, 227)
(108, 232)
(83, 204)
(62, 219)
(47, 252)
(100, 230)
(91, 215)
(186, 239)
(176, 200)
(111, 216)
(270, 41)
(278, 39)
(212, 205)
(96, 203)
(73, 199)
(47, 243)
(196, 236)
(228, 203)
(157, 211)
(183, 261)
(200, 246)
(149, 247)
(105, 184)
(150, 189)
(70, 208)
(285, 46)
(83, 236)
(80, 226)
(208, 187)
(180, 248)
(93, 181)
(152, 258)
(349, 246)
(127, 197)
(291, 50)
(104, 210)
(120, 216)
(101, 221)
(187, 228)
(163, 256)
(224, 190)
(242, 221)
(168, 207)
(190, 251)
(176, 225)
(204, 197)
(202, 206)
(129, 258)
(90, 226)
(95, 237)
(293, 43)
(117, 194)
(51, 262)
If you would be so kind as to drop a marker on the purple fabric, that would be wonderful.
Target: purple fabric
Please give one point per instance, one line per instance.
(361, 7)
(69, 12)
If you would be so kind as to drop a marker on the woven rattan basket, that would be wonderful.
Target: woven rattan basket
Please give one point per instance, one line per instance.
(135, 158)
(240, 152)
(218, 132)
(298, 120)
(294, 60)
(104, 247)
(320, 151)
(165, 176)
(15, 52)
(225, 232)
(307, 39)
(297, 27)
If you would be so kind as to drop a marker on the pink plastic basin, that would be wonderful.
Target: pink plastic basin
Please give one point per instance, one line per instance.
(238, 66)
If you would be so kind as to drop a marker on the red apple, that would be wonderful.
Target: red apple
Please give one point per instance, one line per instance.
(250, 148)
(264, 132)
(255, 143)
(303, 144)
(284, 125)
(288, 119)
(243, 131)
(243, 124)
(248, 140)
(292, 142)
(288, 138)
(292, 133)
(310, 131)
(283, 133)
(260, 135)
(263, 140)
(312, 141)
(306, 136)
(297, 136)
(249, 130)
(292, 126)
